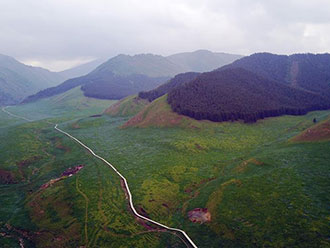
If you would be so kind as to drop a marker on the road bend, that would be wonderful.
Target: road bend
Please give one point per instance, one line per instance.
(189, 242)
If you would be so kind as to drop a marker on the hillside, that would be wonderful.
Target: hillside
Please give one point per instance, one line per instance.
(169, 85)
(146, 64)
(81, 70)
(318, 132)
(117, 87)
(18, 80)
(202, 60)
(128, 106)
(175, 174)
(125, 75)
(102, 86)
(306, 71)
(237, 94)
(67, 104)
(159, 114)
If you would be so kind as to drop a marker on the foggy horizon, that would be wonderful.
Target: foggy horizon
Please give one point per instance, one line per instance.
(63, 34)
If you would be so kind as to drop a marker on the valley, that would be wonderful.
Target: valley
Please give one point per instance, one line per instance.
(255, 181)
(164, 124)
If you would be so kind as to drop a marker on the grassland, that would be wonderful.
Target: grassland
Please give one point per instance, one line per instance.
(66, 106)
(159, 114)
(261, 189)
(128, 106)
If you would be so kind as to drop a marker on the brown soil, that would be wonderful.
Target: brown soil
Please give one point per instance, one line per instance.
(59, 145)
(199, 215)
(318, 132)
(75, 126)
(195, 185)
(27, 162)
(159, 114)
(67, 173)
(6, 177)
(155, 117)
(126, 106)
(244, 165)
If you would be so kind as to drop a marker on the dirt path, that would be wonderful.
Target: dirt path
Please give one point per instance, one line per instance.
(174, 231)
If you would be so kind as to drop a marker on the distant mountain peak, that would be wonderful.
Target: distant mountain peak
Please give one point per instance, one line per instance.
(123, 74)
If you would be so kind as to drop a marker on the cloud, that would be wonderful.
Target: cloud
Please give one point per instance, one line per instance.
(60, 33)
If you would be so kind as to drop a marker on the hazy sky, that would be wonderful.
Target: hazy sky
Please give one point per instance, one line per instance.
(58, 34)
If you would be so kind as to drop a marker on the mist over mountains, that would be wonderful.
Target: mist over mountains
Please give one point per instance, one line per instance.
(18, 80)
(124, 75)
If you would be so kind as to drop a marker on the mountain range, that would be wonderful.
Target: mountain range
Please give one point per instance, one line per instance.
(310, 72)
(251, 88)
(18, 80)
(124, 75)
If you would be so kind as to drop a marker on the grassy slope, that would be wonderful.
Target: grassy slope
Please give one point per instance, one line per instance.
(319, 132)
(160, 114)
(67, 105)
(261, 189)
(128, 106)
(87, 209)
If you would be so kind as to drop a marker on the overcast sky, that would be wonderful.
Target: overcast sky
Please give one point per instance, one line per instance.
(58, 34)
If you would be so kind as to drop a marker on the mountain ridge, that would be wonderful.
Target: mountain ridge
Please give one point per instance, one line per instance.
(113, 79)
(239, 94)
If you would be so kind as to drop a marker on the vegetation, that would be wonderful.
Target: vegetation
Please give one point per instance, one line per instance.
(260, 188)
(145, 64)
(202, 60)
(128, 106)
(319, 132)
(68, 105)
(87, 209)
(18, 80)
(237, 94)
(305, 71)
(117, 87)
(260, 185)
(125, 75)
(159, 114)
(163, 89)
(102, 86)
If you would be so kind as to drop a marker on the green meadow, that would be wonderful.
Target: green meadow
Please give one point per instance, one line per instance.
(261, 189)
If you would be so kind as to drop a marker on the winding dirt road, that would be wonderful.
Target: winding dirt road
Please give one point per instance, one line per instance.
(130, 198)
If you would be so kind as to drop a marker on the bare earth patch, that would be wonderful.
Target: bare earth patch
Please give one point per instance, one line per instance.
(318, 132)
(6, 177)
(67, 173)
(244, 165)
(199, 215)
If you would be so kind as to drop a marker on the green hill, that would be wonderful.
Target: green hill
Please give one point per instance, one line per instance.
(202, 60)
(69, 104)
(159, 114)
(128, 106)
(238, 94)
(17, 80)
(146, 64)
(308, 71)
(125, 75)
